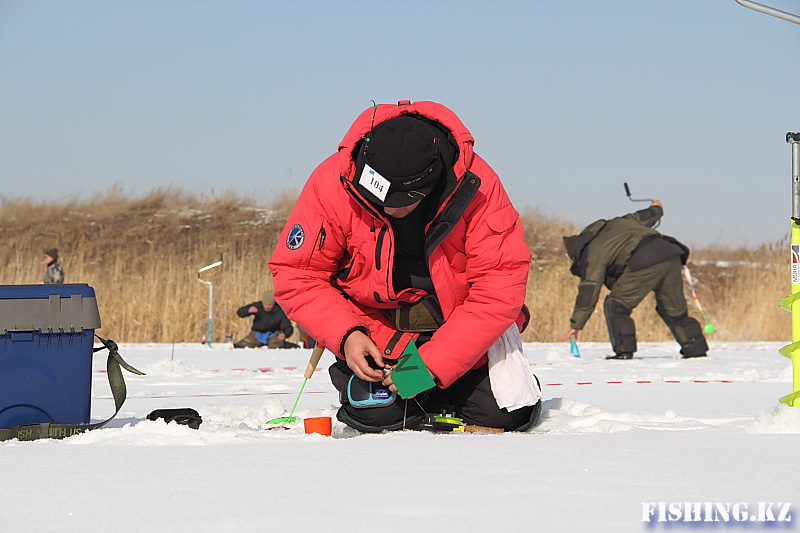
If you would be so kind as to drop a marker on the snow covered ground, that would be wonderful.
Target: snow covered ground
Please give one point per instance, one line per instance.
(616, 438)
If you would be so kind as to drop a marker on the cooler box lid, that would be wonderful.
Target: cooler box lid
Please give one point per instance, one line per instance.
(67, 307)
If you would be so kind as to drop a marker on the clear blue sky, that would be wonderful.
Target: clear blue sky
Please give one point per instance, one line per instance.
(688, 101)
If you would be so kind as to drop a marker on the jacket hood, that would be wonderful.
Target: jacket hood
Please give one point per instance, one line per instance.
(438, 114)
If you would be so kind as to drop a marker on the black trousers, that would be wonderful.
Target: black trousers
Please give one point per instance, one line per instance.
(469, 397)
(665, 280)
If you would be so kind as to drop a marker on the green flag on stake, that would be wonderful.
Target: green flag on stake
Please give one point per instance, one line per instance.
(411, 376)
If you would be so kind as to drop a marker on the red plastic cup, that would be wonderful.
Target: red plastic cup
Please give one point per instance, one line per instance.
(318, 424)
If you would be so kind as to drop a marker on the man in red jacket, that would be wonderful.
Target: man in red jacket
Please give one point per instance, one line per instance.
(406, 234)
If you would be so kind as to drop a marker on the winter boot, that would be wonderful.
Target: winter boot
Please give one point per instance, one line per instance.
(620, 356)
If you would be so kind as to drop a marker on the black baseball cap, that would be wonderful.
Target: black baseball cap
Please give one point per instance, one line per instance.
(404, 151)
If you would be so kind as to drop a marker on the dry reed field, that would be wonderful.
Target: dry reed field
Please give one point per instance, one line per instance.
(141, 255)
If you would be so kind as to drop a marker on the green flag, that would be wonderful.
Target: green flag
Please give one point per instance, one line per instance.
(411, 376)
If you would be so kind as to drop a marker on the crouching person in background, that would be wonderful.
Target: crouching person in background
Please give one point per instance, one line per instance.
(270, 327)
(406, 235)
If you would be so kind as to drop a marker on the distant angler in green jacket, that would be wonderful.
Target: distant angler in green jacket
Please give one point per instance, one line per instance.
(632, 259)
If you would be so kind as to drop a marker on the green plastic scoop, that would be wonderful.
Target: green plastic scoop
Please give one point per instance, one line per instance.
(316, 355)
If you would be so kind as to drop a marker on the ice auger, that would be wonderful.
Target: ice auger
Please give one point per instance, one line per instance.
(792, 302)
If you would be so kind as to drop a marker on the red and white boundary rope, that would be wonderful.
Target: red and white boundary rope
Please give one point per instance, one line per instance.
(546, 384)
(552, 384)
(640, 382)
(167, 396)
(262, 369)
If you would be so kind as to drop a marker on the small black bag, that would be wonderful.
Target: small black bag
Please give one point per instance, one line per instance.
(185, 416)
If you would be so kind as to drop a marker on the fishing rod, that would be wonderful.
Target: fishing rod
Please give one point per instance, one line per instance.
(709, 327)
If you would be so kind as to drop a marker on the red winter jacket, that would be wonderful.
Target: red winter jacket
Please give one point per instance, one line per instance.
(332, 268)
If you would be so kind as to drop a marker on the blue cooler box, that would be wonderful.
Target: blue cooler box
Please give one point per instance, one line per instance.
(46, 346)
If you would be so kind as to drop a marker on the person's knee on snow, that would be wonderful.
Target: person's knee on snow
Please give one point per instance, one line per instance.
(274, 342)
(249, 341)
(469, 398)
(472, 400)
(371, 416)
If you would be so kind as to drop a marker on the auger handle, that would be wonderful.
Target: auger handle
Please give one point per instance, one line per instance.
(316, 355)
(628, 194)
(767, 10)
(794, 140)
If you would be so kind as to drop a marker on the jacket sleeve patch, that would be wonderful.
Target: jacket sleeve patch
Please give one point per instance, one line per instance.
(296, 237)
